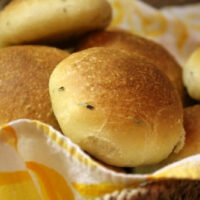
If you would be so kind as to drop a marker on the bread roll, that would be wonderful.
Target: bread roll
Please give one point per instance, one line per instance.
(23, 21)
(192, 129)
(154, 52)
(192, 141)
(24, 76)
(191, 74)
(116, 106)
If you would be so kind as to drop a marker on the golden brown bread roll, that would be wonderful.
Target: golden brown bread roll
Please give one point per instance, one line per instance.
(116, 106)
(192, 139)
(191, 74)
(23, 21)
(24, 76)
(154, 52)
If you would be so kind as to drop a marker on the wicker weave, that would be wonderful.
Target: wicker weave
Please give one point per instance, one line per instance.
(162, 190)
(162, 3)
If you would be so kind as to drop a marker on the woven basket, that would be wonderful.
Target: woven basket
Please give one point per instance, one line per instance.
(162, 190)
(163, 3)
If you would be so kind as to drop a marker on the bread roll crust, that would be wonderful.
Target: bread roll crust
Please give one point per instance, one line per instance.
(24, 76)
(153, 51)
(23, 21)
(191, 74)
(192, 137)
(118, 107)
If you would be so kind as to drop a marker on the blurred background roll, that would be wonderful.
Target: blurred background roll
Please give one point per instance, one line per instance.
(51, 21)
(24, 77)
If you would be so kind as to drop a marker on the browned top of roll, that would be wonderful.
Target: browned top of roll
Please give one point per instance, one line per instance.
(24, 76)
(153, 51)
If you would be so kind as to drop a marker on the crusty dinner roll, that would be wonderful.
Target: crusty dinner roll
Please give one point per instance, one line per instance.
(191, 74)
(24, 76)
(23, 21)
(117, 106)
(192, 139)
(154, 52)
